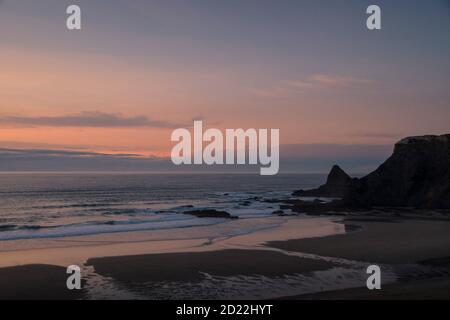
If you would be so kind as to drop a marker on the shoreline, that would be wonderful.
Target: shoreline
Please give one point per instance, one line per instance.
(77, 250)
(274, 253)
(389, 241)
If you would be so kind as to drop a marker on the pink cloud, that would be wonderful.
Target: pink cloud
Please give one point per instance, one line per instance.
(337, 80)
(315, 81)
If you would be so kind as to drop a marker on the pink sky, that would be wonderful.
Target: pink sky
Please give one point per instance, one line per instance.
(57, 86)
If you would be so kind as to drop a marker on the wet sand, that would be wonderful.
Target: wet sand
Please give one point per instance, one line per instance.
(76, 250)
(397, 242)
(388, 241)
(36, 282)
(426, 289)
(134, 258)
(392, 242)
(190, 266)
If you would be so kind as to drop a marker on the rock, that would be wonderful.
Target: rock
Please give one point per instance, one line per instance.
(209, 213)
(188, 206)
(337, 185)
(278, 213)
(416, 175)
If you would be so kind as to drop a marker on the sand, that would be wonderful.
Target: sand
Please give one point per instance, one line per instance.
(385, 241)
(426, 289)
(389, 241)
(76, 250)
(36, 282)
(190, 266)
(397, 242)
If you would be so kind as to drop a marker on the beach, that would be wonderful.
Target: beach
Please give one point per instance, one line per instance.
(394, 242)
(224, 151)
(411, 252)
(389, 242)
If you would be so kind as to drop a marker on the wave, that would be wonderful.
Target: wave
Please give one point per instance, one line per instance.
(14, 232)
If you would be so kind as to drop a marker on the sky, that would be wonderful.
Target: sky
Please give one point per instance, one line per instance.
(138, 69)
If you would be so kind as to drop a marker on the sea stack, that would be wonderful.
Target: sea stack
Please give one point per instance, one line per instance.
(338, 183)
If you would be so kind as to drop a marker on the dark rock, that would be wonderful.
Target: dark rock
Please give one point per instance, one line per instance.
(278, 213)
(314, 208)
(210, 214)
(337, 185)
(273, 200)
(416, 175)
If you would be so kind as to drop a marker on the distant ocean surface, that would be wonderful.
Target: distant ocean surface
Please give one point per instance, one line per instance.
(49, 205)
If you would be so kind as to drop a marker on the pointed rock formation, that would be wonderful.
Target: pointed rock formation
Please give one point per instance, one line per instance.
(337, 185)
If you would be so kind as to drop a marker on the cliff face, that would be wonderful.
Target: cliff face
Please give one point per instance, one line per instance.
(416, 175)
(336, 186)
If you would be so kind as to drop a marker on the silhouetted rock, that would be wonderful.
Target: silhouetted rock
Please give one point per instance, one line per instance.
(416, 175)
(210, 214)
(337, 185)
(278, 213)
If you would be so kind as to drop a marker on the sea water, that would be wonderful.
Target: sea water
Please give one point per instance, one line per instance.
(51, 205)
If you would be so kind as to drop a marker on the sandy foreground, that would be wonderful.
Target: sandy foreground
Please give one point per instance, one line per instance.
(393, 242)
(36, 270)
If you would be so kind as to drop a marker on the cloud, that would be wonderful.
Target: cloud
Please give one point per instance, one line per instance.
(87, 119)
(312, 82)
(5, 152)
(340, 81)
(327, 80)
(62, 160)
(304, 158)
(10, 144)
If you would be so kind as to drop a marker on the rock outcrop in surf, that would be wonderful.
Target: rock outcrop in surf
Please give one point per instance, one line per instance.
(210, 213)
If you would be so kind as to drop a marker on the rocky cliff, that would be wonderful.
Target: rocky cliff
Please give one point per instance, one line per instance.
(416, 175)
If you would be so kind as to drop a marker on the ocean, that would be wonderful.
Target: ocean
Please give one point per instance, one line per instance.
(130, 215)
(52, 205)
